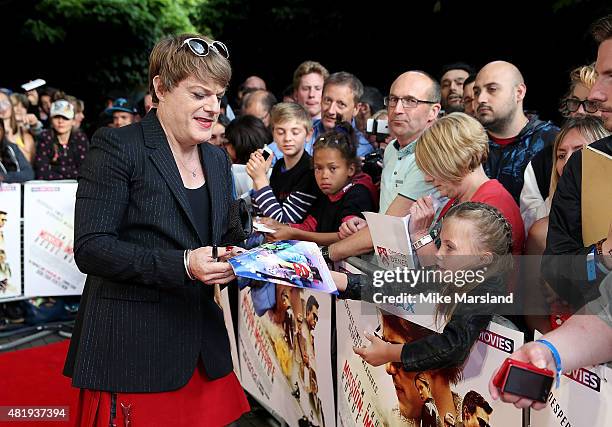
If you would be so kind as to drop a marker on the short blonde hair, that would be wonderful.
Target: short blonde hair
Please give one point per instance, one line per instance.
(452, 147)
(584, 75)
(308, 67)
(173, 63)
(285, 111)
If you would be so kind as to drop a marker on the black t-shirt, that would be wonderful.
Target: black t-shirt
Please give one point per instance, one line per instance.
(199, 200)
(299, 178)
(329, 214)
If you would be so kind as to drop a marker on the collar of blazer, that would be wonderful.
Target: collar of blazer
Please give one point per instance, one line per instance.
(162, 158)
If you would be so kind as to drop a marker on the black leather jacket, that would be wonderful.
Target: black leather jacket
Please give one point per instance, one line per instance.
(451, 347)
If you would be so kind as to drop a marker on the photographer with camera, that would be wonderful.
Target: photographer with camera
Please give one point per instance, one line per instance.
(379, 135)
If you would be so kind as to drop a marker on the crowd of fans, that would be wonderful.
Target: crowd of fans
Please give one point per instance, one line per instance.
(340, 148)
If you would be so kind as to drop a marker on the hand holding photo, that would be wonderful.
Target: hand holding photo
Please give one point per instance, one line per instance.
(286, 262)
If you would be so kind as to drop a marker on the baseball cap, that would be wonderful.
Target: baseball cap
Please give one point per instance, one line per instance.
(121, 104)
(63, 108)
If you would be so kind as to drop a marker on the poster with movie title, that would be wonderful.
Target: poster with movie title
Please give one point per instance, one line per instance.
(584, 398)
(49, 239)
(229, 325)
(388, 395)
(10, 240)
(284, 349)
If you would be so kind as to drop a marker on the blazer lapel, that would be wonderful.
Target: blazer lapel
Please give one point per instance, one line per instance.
(163, 160)
(213, 172)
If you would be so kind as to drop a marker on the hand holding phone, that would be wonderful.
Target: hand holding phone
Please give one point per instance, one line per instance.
(524, 379)
(266, 152)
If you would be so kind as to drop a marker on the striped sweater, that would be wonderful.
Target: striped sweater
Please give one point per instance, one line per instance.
(291, 193)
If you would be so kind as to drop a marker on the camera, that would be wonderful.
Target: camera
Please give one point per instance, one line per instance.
(372, 164)
(379, 128)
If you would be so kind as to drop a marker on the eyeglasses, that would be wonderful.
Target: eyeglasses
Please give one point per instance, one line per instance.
(201, 47)
(407, 102)
(483, 423)
(573, 104)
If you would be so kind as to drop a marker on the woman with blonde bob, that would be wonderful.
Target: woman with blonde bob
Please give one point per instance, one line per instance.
(154, 221)
(451, 153)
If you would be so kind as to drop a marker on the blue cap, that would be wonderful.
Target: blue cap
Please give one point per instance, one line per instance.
(121, 104)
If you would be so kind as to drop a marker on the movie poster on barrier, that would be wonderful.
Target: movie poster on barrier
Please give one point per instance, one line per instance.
(10, 240)
(49, 238)
(284, 349)
(389, 396)
(229, 325)
(584, 398)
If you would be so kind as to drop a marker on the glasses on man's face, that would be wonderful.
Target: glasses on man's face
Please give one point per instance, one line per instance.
(201, 47)
(573, 104)
(407, 102)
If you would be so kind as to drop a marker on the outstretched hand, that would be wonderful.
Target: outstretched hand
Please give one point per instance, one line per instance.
(538, 355)
(379, 352)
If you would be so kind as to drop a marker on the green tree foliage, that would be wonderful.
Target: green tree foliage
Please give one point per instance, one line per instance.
(114, 37)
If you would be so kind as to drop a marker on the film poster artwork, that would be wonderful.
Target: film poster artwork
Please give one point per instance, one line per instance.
(388, 395)
(10, 240)
(229, 325)
(584, 398)
(49, 238)
(284, 350)
(287, 262)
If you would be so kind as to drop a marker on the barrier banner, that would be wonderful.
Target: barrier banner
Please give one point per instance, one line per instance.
(388, 395)
(229, 325)
(284, 349)
(584, 398)
(10, 240)
(49, 238)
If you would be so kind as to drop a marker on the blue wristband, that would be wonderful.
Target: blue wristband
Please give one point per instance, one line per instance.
(557, 358)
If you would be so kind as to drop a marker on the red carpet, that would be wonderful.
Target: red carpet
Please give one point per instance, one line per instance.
(33, 377)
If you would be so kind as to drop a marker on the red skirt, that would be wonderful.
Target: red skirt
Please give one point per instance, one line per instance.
(201, 402)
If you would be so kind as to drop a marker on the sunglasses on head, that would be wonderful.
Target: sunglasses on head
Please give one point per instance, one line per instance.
(201, 47)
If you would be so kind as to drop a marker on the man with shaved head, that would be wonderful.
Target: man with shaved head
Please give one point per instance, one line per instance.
(413, 105)
(259, 104)
(251, 84)
(254, 82)
(499, 92)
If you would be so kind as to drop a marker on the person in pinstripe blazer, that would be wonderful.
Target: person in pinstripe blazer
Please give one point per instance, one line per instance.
(152, 200)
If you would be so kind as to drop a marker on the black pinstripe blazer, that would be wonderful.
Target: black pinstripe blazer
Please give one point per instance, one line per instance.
(142, 323)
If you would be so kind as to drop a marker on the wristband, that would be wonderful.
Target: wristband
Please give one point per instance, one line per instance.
(557, 358)
(186, 255)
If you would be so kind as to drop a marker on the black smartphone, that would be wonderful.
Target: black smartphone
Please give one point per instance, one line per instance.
(266, 153)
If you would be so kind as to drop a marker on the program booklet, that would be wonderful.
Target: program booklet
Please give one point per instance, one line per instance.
(286, 262)
(391, 240)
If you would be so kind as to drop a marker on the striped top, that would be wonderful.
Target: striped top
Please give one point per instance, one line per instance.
(291, 193)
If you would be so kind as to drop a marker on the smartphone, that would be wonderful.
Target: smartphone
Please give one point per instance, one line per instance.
(33, 84)
(525, 380)
(267, 152)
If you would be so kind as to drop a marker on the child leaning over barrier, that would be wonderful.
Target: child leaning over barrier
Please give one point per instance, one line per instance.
(476, 237)
(347, 192)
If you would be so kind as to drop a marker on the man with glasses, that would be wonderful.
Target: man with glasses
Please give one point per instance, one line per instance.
(413, 105)
(499, 92)
(342, 93)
